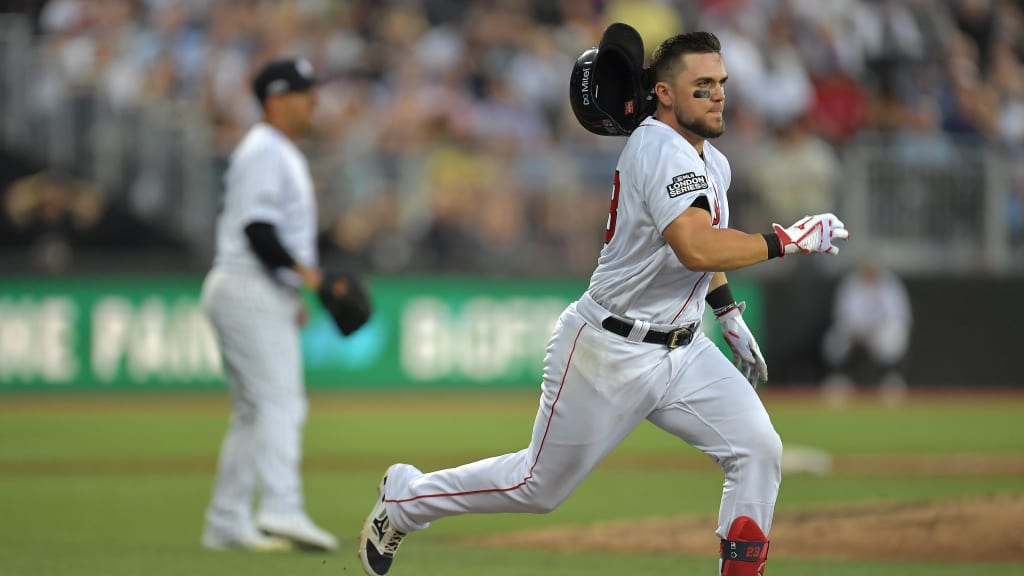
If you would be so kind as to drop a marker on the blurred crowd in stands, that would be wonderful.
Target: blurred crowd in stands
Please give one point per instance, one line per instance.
(446, 142)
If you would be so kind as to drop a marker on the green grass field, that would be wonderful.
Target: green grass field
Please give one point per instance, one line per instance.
(116, 485)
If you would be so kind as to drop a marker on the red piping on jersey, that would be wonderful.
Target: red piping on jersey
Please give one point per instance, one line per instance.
(718, 206)
(690, 297)
(547, 427)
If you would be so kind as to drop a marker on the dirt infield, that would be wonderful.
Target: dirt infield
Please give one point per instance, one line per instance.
(967, 530)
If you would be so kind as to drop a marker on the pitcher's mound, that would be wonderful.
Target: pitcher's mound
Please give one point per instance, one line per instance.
(967, 530)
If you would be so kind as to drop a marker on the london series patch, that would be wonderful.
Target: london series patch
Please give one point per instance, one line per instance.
(685, 183)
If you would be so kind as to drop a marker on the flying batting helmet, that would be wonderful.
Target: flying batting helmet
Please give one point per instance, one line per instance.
(607, 88)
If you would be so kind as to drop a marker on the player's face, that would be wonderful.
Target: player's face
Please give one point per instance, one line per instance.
(295, 110)
(702, 116)
(292, 111)
(302, 107)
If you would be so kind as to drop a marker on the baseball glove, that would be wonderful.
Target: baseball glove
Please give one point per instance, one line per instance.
(346, 298)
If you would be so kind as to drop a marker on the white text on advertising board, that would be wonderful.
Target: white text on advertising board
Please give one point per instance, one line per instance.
(37, 340)
(485, 339)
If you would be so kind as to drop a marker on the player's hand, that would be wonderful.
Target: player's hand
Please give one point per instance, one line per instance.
(311, 277)
(812, 234)
(746, 355)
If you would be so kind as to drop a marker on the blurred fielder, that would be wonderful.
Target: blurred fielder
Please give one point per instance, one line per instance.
(631, 347)
(869, 337)
(266, 251)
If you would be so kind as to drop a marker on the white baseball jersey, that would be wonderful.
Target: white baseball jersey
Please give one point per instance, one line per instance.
(598, 385)
(658, 176)
(268, 180)
(255, 317)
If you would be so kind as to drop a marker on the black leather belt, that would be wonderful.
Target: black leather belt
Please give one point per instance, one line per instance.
(673, 339)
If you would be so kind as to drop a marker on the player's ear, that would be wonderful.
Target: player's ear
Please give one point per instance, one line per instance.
(664, 93)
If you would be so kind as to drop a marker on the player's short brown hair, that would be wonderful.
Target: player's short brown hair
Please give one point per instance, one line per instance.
(667, 60)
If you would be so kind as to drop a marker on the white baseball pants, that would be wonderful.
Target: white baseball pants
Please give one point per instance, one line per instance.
(597, 388)
(255, 319)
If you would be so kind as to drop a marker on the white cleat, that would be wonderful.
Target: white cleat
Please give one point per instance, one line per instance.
(298, 529)
(378, 540)
(249, 540)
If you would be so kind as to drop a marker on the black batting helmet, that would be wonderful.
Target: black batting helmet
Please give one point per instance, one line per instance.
(607, 88)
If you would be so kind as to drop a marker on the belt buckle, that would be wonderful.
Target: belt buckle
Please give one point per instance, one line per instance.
(679, 337)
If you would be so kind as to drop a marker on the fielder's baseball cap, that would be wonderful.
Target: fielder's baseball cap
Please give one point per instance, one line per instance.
(282, 76)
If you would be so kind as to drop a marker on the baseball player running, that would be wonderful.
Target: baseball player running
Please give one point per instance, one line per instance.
(631, 347)
(266, 251)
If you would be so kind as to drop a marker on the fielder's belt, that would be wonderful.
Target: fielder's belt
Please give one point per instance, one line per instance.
(672, 339)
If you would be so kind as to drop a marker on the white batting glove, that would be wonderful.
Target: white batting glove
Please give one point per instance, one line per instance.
(812, 234)
(746, 355)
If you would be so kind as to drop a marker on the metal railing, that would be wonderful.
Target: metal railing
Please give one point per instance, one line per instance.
(156, 158)
(929, 205)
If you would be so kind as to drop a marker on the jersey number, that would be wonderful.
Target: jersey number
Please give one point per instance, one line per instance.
(613, 211)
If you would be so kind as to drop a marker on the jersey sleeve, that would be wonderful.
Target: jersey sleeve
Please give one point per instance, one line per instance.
(726, 171)
(257, 182)
(674, 180)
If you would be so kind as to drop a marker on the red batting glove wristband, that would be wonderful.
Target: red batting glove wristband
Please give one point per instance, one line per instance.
(785, 241)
